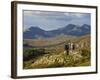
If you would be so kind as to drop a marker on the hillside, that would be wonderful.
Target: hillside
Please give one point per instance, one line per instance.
(48, 41)
(54, 56)
(70, 30)
(58, 40)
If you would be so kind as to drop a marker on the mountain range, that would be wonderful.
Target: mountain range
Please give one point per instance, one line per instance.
(71, 29)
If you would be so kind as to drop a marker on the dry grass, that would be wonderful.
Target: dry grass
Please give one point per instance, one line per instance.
(55, 57)
(58, 60)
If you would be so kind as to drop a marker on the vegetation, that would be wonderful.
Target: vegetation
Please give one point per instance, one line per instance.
(52, 57)
(49, 60)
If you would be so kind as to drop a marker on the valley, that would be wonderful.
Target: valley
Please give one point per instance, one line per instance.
(50, 52)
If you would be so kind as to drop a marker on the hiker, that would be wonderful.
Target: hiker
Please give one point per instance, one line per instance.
(72, 47)
(67, 49)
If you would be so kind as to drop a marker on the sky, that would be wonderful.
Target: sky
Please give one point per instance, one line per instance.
(51, 20)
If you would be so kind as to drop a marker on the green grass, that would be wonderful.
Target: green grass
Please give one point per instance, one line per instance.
(51, 59)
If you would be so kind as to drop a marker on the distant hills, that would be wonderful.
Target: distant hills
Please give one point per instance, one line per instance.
(71, 29)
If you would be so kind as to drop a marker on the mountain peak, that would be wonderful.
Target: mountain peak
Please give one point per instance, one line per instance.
(34, 27)
(85, 26)
(71, 25)
(70, 29)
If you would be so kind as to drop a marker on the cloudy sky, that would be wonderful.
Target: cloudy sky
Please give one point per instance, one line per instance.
(50, 20)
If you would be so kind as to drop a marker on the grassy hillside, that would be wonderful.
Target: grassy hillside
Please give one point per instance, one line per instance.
(48, 41)
(55, 56)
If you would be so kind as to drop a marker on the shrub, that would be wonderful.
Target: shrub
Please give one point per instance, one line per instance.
(85, 53)
(30, 53)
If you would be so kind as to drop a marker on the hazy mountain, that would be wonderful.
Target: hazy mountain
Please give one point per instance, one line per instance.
(70, 29)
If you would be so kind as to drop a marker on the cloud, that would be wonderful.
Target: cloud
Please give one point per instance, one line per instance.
(30, 13)
(53, 14)
(49, 20)
(67, 14)
(78, 15)
(27, 13)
